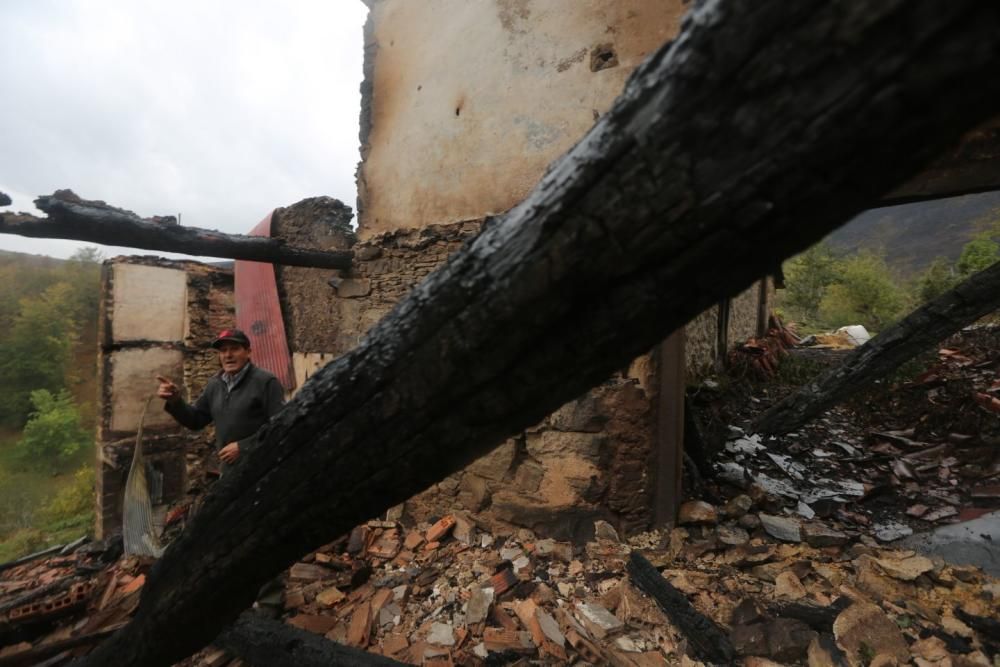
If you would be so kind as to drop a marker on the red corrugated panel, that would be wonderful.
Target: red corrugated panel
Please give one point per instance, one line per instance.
(258, 313)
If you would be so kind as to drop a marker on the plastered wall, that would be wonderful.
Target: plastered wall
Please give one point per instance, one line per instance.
(466, 102)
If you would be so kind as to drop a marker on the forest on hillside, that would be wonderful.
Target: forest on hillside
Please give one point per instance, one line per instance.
(829, 285)
(48, 373)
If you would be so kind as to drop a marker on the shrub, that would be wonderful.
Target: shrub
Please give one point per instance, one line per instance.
(937, 279)
(979, 253)
(865, 293)
(53, 432)
(73, 505)
(807, 278)
(22, 543)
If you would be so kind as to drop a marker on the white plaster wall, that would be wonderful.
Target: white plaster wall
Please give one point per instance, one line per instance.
(150, 303)
(133, 381)
(473, 99)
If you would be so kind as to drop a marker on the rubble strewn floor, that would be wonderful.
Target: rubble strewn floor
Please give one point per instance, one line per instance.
(803, 549)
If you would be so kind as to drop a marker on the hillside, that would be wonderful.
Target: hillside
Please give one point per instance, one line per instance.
(913, 235)
(48, 340)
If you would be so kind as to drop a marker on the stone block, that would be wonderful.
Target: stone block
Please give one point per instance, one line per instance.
(495, 465)
(581, 415)
(150, 303)
(133, 381)
(529, 476)
(558, 444)
(473, 492)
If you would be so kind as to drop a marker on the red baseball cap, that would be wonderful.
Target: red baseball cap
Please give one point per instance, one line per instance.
(231, 336)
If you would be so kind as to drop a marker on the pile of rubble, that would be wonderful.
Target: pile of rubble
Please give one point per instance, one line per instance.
(55, 608)
(784, 591)
(787, 593)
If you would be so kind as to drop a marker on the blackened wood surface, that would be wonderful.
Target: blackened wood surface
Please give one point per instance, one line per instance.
(977, 296)
(762, 127)
(704, 636)
(70, 217)
(35, 655)
(263, 642)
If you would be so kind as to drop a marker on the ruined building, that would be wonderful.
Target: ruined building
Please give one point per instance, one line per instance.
(454, 129)
(157, 318)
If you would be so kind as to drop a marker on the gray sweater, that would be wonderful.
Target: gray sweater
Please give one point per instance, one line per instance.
(238, 413)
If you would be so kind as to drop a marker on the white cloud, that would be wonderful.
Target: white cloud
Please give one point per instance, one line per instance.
(218, 110)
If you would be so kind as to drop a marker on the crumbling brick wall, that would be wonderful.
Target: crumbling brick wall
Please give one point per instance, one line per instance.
(158, 317)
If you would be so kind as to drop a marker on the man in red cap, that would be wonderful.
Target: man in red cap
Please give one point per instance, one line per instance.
(239, 400)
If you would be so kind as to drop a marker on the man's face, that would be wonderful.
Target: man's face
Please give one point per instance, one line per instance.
(233, 356)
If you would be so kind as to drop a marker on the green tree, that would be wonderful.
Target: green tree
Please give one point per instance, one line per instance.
(53, 432)
(36, 351)
(807, 278)
(979, 253)
(83, 273)
(866, 292)
(937, 279)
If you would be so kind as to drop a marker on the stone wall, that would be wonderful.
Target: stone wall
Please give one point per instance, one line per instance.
(158, 317)
(743, 309)
(701, 334)
(588, 460)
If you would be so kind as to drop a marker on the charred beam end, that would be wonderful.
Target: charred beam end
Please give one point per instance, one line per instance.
(694, 184)
(38, 654)
(70, 217)
(706, 638)
(262, 641)
(976, 297)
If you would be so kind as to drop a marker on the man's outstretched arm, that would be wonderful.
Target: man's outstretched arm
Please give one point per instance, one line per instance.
(195, 417)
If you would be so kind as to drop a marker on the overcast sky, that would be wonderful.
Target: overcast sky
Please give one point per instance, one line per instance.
(220, 110)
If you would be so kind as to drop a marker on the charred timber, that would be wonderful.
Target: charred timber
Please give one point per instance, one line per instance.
(706, 638)
(757, 131)
(977, 296)
(262, 641)
(33, 657)
(70, 217)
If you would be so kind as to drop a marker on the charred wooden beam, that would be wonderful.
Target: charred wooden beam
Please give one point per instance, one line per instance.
(263, 642)
(972, 166)
(706, 638)
(70, 217)
(975, 297)
(762, 127)
(36, 654)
